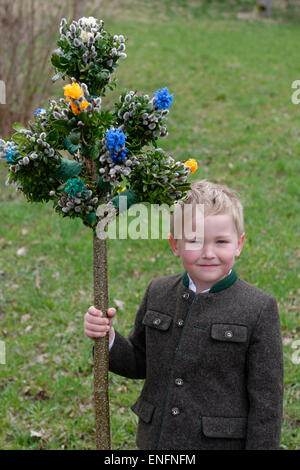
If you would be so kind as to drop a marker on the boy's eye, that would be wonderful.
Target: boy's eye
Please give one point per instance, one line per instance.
(222, 241)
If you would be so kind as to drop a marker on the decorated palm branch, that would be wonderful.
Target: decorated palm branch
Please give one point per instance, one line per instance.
(82, 157)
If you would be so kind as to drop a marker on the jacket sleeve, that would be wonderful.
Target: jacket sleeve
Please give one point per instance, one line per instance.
(127, 355)
(265, 380)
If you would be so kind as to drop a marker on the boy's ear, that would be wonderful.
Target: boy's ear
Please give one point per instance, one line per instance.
(240, 245)
(174, 246)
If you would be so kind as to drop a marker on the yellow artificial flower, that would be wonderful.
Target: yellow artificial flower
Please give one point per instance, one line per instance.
(84, 104)
(192, 163)
(121, 190)
(75, 108)
(73, 91)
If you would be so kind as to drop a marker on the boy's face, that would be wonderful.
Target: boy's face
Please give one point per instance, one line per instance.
(216, 254)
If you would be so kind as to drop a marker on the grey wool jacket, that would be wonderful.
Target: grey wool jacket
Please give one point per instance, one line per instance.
(213, 366)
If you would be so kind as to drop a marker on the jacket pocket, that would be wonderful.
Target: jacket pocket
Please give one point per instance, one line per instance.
(143, 410)
(229, 332)
(226, 428)
(157, 320)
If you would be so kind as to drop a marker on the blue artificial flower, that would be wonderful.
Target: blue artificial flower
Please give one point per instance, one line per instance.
(115, 141)
(119, 157)
(10, 153)
(75, 186)
(8, 150)
(162, 98)
(40, 111)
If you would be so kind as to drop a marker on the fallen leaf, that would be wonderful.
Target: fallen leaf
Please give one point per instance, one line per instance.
(35, 433)
(6, 244)
(41, 358)
(22, 251)
(82, 408)
(37, 282)
(41, 395)
(24, 231)
(25, 317)
(28, 328)
(119, 304)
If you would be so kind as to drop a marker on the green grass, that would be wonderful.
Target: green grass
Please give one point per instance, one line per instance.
(233, 113)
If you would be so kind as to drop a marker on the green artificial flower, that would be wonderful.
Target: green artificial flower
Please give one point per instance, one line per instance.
(75, 186)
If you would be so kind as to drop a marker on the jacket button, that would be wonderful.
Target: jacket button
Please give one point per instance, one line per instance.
(180, 323)
(179, 382)
(175, 411)
(157, 321)
(228, 334)
(185, 296)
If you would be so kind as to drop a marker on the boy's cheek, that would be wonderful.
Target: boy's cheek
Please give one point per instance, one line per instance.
(190, 256)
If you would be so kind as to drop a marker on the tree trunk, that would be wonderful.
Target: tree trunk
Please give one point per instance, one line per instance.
(101, 399)
(78, 9)
(265, 7)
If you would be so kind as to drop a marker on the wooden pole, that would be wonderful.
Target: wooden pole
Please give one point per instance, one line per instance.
(101, 399)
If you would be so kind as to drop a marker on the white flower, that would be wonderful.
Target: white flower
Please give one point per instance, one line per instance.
(90, 21)
(85, 36)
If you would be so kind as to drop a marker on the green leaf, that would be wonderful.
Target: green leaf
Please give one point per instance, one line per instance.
(75, 137)
(55, 60)
(19, 138)
(61, 125)
(17, 126)
(52, 136)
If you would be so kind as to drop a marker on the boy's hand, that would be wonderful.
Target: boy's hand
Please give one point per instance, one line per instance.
(96, 326)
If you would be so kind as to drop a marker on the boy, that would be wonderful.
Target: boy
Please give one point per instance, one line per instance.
(207, 343)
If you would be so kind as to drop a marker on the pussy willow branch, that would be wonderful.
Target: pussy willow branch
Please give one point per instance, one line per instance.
(101, 400)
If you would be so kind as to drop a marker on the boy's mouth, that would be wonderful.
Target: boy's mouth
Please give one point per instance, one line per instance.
(209, 265)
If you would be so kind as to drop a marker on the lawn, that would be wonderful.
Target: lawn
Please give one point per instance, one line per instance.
(232, 111)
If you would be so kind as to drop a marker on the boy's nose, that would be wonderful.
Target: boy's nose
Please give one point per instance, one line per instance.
(207, 253)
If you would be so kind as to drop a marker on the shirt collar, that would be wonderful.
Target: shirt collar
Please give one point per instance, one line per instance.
(227, 281)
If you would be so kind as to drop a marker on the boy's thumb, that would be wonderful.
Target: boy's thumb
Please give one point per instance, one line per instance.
(111, 312)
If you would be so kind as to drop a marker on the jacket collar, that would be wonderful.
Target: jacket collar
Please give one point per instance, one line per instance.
(218, 286)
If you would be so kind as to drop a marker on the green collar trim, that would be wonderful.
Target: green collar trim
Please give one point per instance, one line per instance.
(218, 286)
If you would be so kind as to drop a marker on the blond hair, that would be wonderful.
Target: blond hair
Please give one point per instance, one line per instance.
(217, 199)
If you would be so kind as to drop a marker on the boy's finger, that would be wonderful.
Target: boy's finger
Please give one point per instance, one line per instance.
(94, 334)
(96, 320)
(93, 327)
(94, 311)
